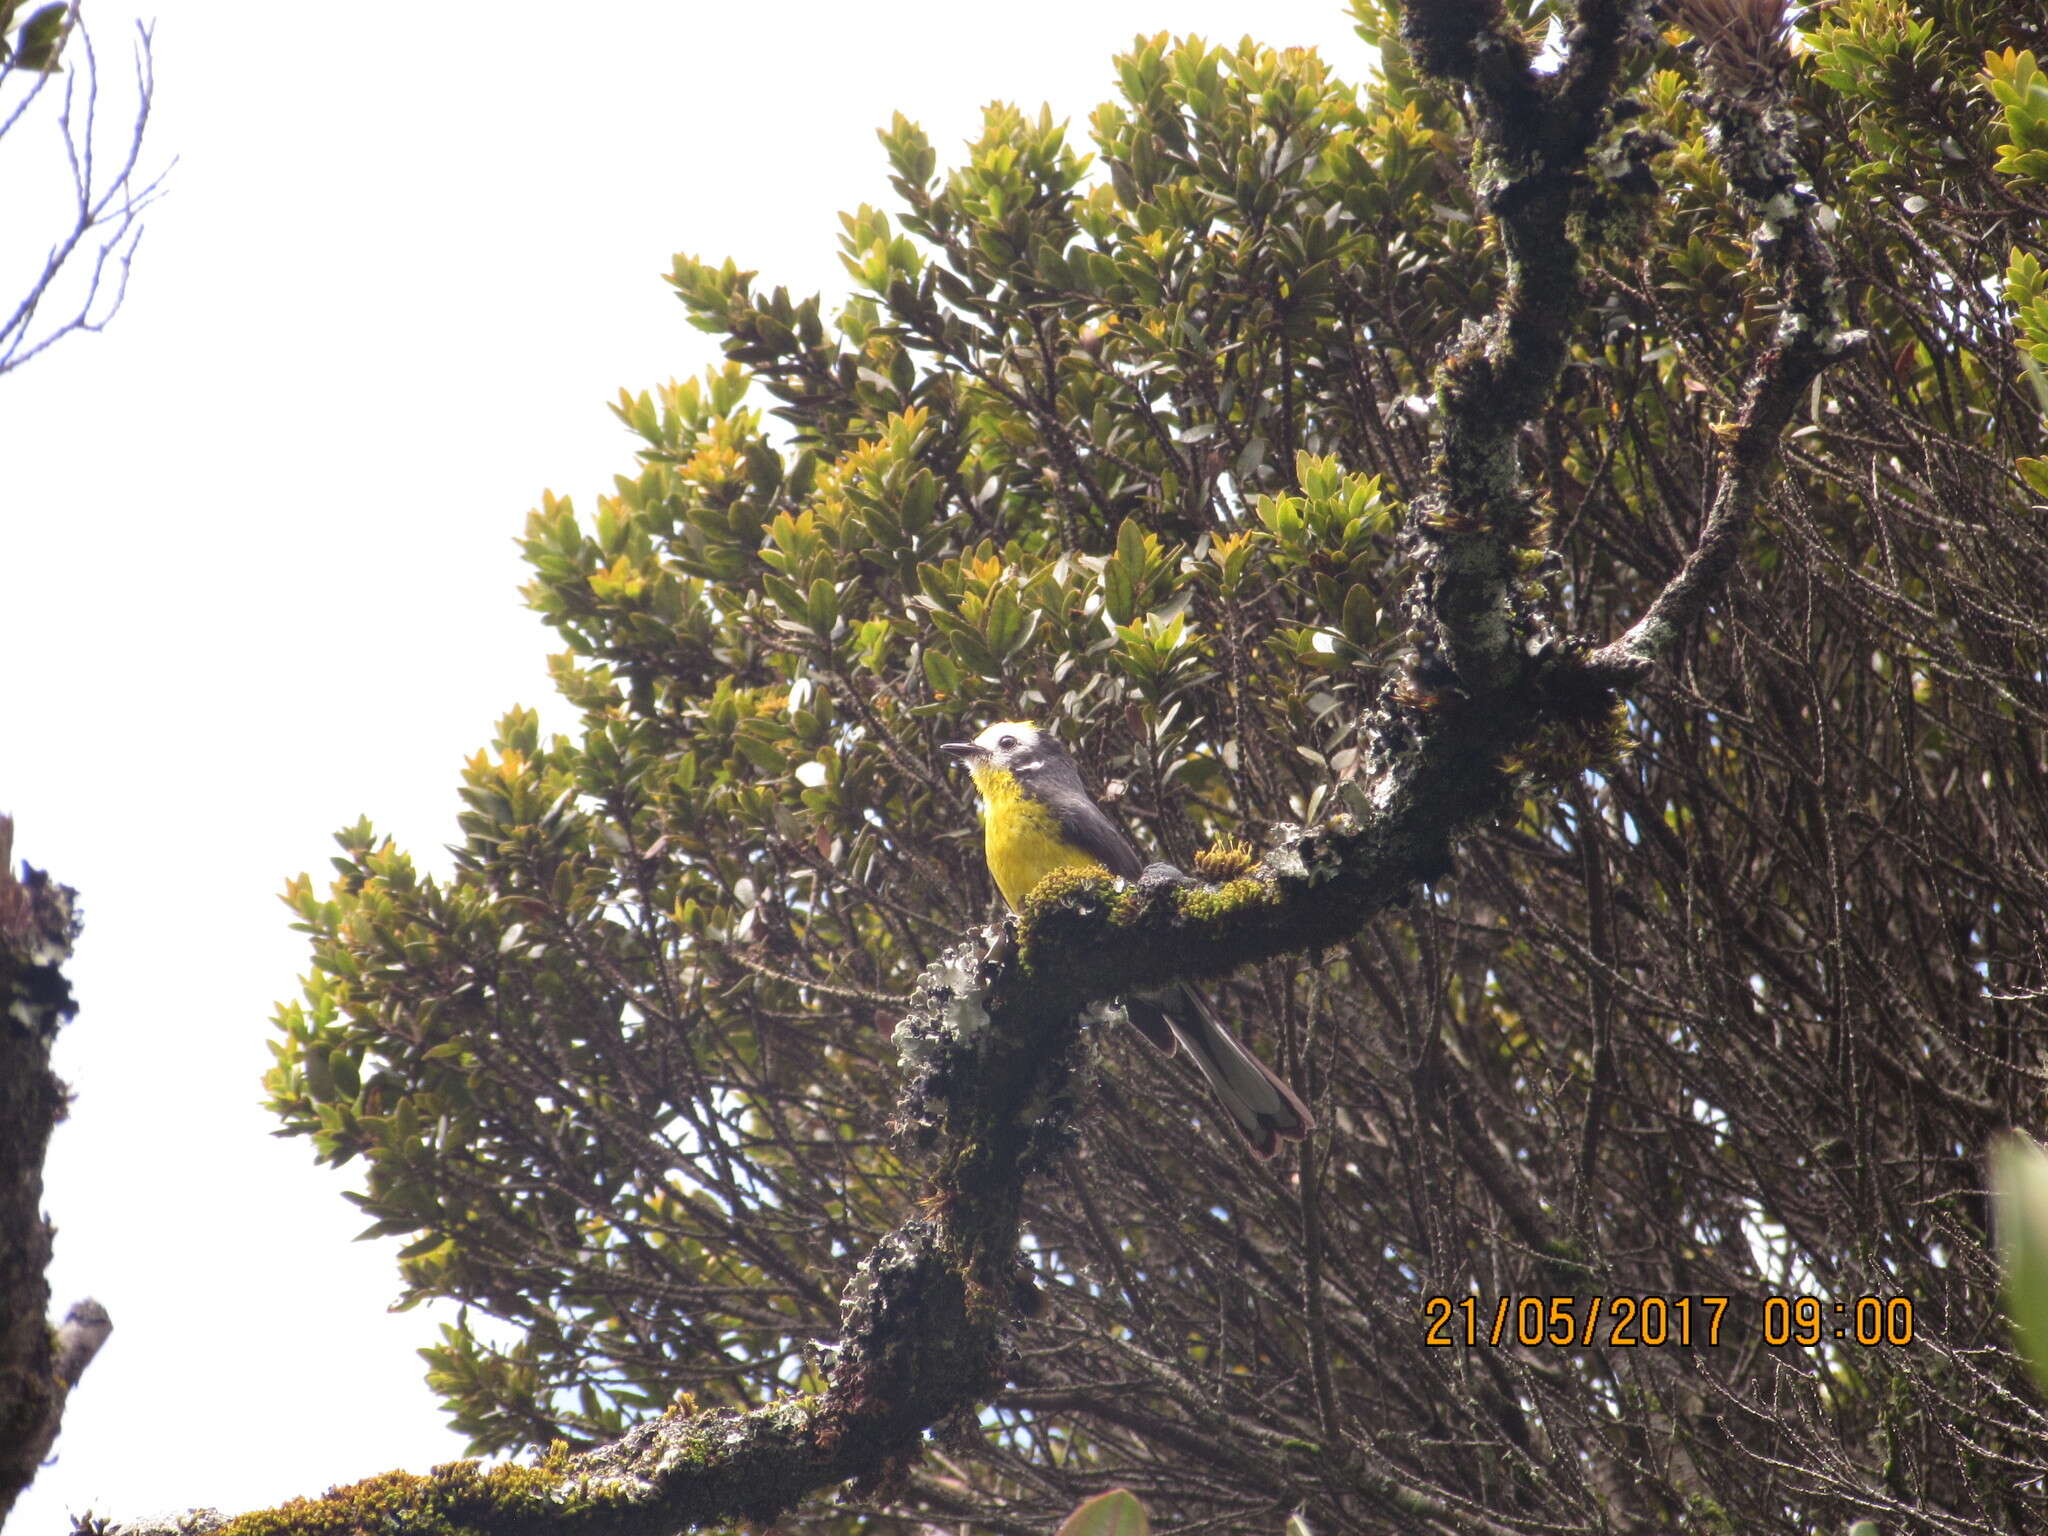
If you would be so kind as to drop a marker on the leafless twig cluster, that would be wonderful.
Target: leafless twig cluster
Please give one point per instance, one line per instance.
(82, 278)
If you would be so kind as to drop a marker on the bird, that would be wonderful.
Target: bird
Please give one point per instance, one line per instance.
(1038, 817)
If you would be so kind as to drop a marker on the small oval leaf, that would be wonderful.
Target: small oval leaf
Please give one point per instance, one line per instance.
(1116, 1513)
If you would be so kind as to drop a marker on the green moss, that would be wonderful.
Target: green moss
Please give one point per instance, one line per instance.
(1213, 903)
(1225, 859)
(1125, 905)
(1080, 890)
(1056, 887)
(1706, 1515)
(461, 1498)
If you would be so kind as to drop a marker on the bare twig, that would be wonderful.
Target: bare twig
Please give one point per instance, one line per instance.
(97, 244)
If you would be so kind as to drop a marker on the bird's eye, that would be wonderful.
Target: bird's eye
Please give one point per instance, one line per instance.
(1004, 743)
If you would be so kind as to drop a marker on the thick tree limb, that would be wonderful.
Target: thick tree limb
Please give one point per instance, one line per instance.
(1534, 134)
(995, 1050)
(38, 1367)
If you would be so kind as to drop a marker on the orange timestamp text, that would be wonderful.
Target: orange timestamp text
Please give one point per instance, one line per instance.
(1659, 1322)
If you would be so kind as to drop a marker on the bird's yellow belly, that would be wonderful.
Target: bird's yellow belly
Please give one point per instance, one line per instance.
(1023, 843)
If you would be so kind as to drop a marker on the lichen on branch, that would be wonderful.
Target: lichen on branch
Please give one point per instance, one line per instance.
(39, 1364)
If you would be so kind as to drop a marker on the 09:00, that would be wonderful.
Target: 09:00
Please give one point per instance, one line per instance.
(1868, 1320)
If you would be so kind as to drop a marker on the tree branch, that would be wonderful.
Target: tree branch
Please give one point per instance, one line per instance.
(995, 1054)
(38, 1365)
(1534, 134)
(105, 223)
(1754, 132)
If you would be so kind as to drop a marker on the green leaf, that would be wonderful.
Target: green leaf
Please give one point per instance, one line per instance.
(2019, 1194)
(822, 610)
(1116, 1513)
(1004, 623)
(1130, 547)
(786, 597)
(1361, 616)
(42, 39)
(944, 676)
(1118, 599)
(319, 1081)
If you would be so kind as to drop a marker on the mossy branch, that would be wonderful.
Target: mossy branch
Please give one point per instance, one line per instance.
(1533, 135)
(995, 1057)
(38, 1364)
(925, 1322)
(1755, 130)
(1473, 629)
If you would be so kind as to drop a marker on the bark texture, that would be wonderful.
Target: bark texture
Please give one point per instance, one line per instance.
(38, 1365)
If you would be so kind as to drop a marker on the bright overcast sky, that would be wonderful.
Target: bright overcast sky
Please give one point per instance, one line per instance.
(257, 574)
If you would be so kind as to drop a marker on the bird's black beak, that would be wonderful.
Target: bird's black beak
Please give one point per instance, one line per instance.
(966, 751)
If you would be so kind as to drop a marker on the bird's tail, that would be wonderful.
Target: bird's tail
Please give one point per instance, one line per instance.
(1257, 1099)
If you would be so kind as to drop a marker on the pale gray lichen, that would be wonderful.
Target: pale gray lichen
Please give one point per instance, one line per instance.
(1652, 637)
(1100, 1014)
(963, 1012)
(948, 1008)
(1284, 858)
(946, 1027)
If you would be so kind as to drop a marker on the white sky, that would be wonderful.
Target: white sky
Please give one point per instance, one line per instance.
(257, 574)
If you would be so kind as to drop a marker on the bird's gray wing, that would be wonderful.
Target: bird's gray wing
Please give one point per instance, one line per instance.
(1083, 824)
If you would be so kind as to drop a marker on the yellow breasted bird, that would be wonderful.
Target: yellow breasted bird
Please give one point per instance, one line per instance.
(1036, 818)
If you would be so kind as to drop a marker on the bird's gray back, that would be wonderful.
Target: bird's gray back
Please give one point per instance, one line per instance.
(1056, 782)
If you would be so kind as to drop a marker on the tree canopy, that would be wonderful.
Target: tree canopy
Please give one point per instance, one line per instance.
(1317, 458)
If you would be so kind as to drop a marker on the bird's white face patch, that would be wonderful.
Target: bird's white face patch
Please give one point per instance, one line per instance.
(1013, 744)
(1008, 736)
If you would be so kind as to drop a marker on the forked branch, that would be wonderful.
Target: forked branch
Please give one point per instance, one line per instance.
(82, 279)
